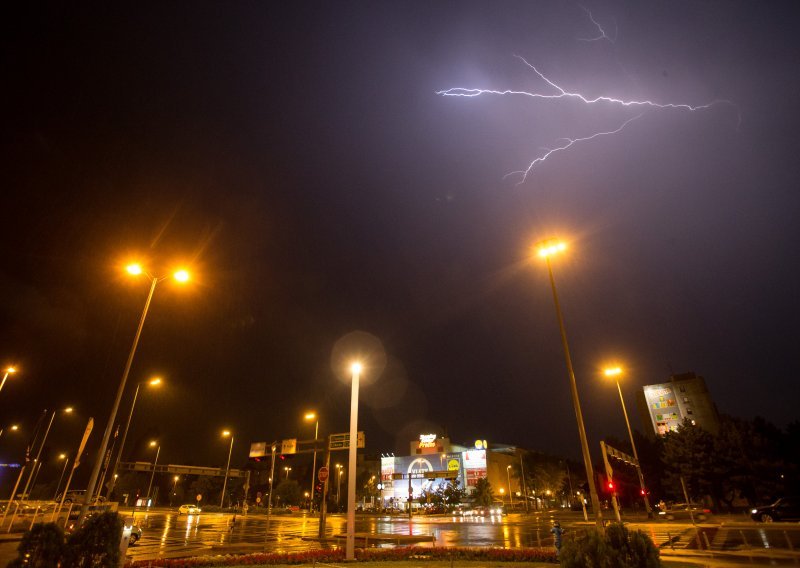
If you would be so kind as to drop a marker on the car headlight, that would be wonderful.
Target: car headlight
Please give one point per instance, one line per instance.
(754, 511)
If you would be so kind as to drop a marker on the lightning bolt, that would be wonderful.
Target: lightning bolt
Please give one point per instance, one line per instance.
(562, 93)
(603, 35)
(569, 142)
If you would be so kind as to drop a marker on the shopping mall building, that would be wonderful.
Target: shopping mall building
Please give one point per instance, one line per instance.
(434, 461)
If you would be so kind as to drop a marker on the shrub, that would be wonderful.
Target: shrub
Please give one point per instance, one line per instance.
(96, 543)
(41, 547)
(615, 548)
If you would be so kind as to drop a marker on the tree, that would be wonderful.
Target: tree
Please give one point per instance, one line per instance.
(483, 494)
(96, 543)
(452, 494)
(288, 492)
(689, 454)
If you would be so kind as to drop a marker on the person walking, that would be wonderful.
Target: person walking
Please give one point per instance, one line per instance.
(557, 532)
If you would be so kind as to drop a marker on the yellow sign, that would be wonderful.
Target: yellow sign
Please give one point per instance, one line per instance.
(427, 440)
(452, 465)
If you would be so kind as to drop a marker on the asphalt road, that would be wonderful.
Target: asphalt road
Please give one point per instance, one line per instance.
(167, 534)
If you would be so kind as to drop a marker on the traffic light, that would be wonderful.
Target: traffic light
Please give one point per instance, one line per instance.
(642, 492)
(610, 485)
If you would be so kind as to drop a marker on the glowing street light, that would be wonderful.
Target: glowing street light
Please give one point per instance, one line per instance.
(308, 417)
(287, 469)
(355, 369)
(153, 444)
(133, 269)
(36, 461)
(63, 471)
(225, 434)
(13, 428)
(154, 382)
(548, 249)
(510, 493)
(9, 371)
(615, 373)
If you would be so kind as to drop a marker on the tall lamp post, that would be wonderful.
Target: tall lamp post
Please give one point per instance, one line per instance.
(28, 484)
(548, 249)
(350, 545)
(153, 444)
(615, 372)
(225, 434)
(339, 468)
(9, 371)
(510, 493)
(63, 471)
(313, 416)
(154, 382)
(133, 270)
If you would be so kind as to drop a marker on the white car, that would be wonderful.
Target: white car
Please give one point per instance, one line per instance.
(188, 509)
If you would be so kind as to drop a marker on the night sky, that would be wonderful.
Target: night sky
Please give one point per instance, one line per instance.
(297, 158)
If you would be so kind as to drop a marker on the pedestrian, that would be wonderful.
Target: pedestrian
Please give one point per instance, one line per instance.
(557, 532)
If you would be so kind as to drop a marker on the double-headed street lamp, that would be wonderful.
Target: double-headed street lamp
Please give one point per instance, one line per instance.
(134, 270)
(9, 371)
(154, 382)
(308, 417)
(226, 434)
(546, 250)
(615, 372)
(287, 469)
(153, 444)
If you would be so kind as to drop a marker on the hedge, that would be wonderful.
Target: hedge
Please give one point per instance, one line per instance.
(362, 555)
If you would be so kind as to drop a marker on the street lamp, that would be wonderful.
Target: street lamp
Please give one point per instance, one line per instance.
(9, 371)
(339, 468)
(174, 486)
(510, 493)
(615, 372)
(287, 469)
(134, 270)
(355, 369)
(63, 471)
(313, 416)
(153, 444)
(546, 250)
(225, 434)
(13, 428)
(154, 382)
(31, 477)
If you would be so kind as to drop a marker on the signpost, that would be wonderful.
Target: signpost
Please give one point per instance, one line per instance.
(342, 441)
(289, 446)
(322, 475)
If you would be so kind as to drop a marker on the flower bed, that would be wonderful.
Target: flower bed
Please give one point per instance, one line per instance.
(362, 555)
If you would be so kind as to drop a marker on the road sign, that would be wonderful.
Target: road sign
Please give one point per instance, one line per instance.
(289, 446)
(342, 441)
(199, 497)
(258, 499)
(259, 495)
(322, 474)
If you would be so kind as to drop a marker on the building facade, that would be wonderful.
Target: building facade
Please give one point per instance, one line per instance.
(663, 407)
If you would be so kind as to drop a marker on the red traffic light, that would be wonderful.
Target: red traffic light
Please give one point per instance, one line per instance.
(610, 485)
(642, 491)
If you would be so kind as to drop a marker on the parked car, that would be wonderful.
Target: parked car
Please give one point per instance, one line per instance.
(784, 509)
(188, 509)
(136, 534)
(685, 511)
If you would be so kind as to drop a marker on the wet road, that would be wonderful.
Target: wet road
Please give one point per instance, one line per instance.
(166, 534)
